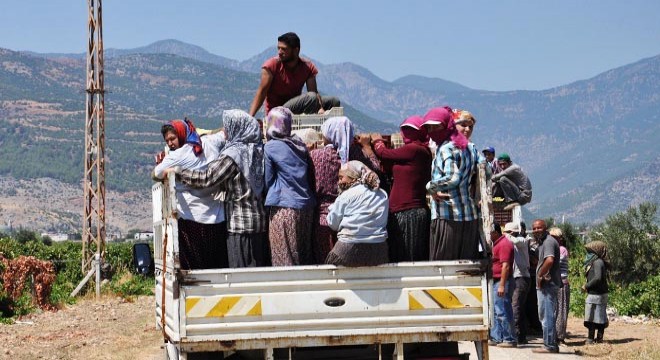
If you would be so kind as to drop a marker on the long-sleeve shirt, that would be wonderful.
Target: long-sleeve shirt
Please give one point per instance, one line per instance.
(453, 172)
(288, 176)
(515, 174)
(359, 215)
(195, 204)
(411, 170)
(245, 209)
(597, 278)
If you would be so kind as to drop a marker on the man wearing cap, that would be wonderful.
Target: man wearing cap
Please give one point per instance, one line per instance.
(489, 153)
(501, 333)
(521, 279)
(511, 183)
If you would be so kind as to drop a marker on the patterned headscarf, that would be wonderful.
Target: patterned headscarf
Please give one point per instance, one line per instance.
(278, 125)
(245, 146)
(361, 173)
(599, 250)
(307, 135)
(462, 115)
(340, 131)
(186, 134)
(443, 115)
(412, 129)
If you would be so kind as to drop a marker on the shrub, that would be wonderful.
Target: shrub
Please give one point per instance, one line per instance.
(639, 298)
(66, 258)
(632, 241)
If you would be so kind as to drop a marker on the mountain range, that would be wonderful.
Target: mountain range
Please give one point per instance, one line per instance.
(590, 147)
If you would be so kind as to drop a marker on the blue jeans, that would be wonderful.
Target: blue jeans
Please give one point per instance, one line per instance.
(547, 302)
(502, 329)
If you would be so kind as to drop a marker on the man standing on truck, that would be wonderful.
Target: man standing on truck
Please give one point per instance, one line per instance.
(282, 79)
(548, 281)
(511, 183)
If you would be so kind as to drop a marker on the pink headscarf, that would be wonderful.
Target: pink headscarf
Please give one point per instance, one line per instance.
(412, 130)
(443, 115)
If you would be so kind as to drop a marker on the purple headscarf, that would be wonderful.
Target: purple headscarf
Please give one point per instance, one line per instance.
(278, 125)
(339, 130)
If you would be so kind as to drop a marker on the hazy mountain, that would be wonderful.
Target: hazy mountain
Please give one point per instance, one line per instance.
(430, 84)
(169, 46)
(585, 145)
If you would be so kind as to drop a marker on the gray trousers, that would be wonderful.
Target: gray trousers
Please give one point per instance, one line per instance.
(507, 189)
(308, 103)
(518, 302)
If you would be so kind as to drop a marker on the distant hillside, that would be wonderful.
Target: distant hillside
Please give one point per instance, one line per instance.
(580, 143)
(42, 104)
(430, 84)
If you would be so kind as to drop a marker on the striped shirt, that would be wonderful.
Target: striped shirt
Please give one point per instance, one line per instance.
(245, 210)
(453, 172)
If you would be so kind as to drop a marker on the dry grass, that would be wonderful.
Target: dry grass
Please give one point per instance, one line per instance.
(622, 341)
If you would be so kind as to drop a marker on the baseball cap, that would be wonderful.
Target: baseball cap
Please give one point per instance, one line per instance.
(504, 157)
(511, 227)
(490, 149)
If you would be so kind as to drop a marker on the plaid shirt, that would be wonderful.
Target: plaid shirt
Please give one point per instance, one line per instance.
(453, 173)
(245, 210)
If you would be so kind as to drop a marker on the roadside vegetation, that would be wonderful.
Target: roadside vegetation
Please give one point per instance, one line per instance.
(26, 260)
(631, 236)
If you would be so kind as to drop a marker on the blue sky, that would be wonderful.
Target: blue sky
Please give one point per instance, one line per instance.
(494, 45)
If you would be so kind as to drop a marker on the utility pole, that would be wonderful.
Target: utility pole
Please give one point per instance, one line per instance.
(93, 237)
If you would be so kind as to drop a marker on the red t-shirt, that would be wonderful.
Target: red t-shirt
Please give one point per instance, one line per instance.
(502, 252)
(286, 83)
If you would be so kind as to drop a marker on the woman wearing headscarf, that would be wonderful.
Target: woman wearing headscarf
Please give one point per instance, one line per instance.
(596, 267)
(201, 223)
(309, 136)
(239, 173)
(338, 134)
(359, 215)
(289, 180)
(409, 215)
(564, 294)
(464, 121)
(454, 213)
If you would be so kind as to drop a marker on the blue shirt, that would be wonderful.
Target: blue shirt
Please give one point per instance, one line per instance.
(287, 176)
(359, 215)
(453, 172)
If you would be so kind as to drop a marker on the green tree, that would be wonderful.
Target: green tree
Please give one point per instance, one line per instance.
(632, 241)
(24, 235)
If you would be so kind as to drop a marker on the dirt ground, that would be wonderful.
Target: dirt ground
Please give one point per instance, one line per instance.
(113, 328)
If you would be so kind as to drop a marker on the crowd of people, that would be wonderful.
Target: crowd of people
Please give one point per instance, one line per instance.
(355, 201)
(514, 256)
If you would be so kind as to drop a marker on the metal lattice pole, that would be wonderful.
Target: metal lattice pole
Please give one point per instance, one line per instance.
(93, 236)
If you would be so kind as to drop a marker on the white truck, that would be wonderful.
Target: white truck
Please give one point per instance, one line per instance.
(279, 312)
